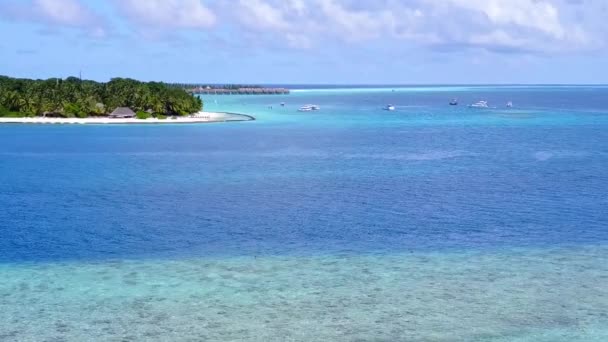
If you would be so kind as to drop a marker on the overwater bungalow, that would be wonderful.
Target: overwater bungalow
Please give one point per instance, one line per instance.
(239, 91)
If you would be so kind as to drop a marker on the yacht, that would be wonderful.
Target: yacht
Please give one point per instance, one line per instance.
(454, 102)
(479, 104)
(389, 107)
(308, 108)
(509, 104)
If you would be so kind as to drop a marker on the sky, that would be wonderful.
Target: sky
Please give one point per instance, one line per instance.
(308, 41)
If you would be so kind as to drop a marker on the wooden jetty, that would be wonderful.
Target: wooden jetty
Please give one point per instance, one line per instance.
(239, 91)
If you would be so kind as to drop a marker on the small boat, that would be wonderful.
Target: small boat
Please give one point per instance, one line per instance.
(282, 104)
(509, 104)
(389, 107)
(454, 102)
(479, 104)
(308, 108)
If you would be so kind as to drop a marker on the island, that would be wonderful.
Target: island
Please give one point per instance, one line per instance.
(119, 101)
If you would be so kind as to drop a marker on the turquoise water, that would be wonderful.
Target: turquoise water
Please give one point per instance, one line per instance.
(521, 295)
(429, 223)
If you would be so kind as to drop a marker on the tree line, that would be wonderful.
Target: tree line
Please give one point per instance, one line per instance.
(73, 97)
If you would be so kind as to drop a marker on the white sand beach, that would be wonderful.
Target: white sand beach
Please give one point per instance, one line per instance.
(200, 117)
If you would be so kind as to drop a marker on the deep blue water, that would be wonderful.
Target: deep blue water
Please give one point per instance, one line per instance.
(435, 178)
(348, 181)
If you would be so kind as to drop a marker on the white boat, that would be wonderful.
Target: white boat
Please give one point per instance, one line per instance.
(308, 108)
(479, 104)
(509, 104)
(389, 107)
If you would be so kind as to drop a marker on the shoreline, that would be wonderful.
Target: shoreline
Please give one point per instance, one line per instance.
(200, 117)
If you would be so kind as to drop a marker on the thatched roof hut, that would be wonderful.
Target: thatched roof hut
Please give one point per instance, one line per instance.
(122, 113)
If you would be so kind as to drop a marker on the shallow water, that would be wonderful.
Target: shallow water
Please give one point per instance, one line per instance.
(351, 223)
(555, 294)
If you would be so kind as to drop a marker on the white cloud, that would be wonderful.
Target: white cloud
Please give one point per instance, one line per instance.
(55, 13)
(532, 25)
(524, 25)
(67, 12)
(494, 25)
(355, 25)
(261, 15)
(535, 14)
(168, 13)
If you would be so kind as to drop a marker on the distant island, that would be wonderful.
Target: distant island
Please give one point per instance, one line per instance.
(76, 98)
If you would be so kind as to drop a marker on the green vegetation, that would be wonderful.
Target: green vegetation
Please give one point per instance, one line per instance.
(73, 97)
(143, 115)
(8, 114)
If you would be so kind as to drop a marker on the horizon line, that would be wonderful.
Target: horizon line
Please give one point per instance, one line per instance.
(324, 83)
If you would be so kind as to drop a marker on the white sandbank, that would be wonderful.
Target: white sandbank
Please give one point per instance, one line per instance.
(200, 117)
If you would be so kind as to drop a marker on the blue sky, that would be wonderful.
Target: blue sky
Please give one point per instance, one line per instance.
(308, 41)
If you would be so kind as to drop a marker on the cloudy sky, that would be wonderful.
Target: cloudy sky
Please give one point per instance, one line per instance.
(308, 41)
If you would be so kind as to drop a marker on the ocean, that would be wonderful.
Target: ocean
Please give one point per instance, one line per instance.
(427, 223)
